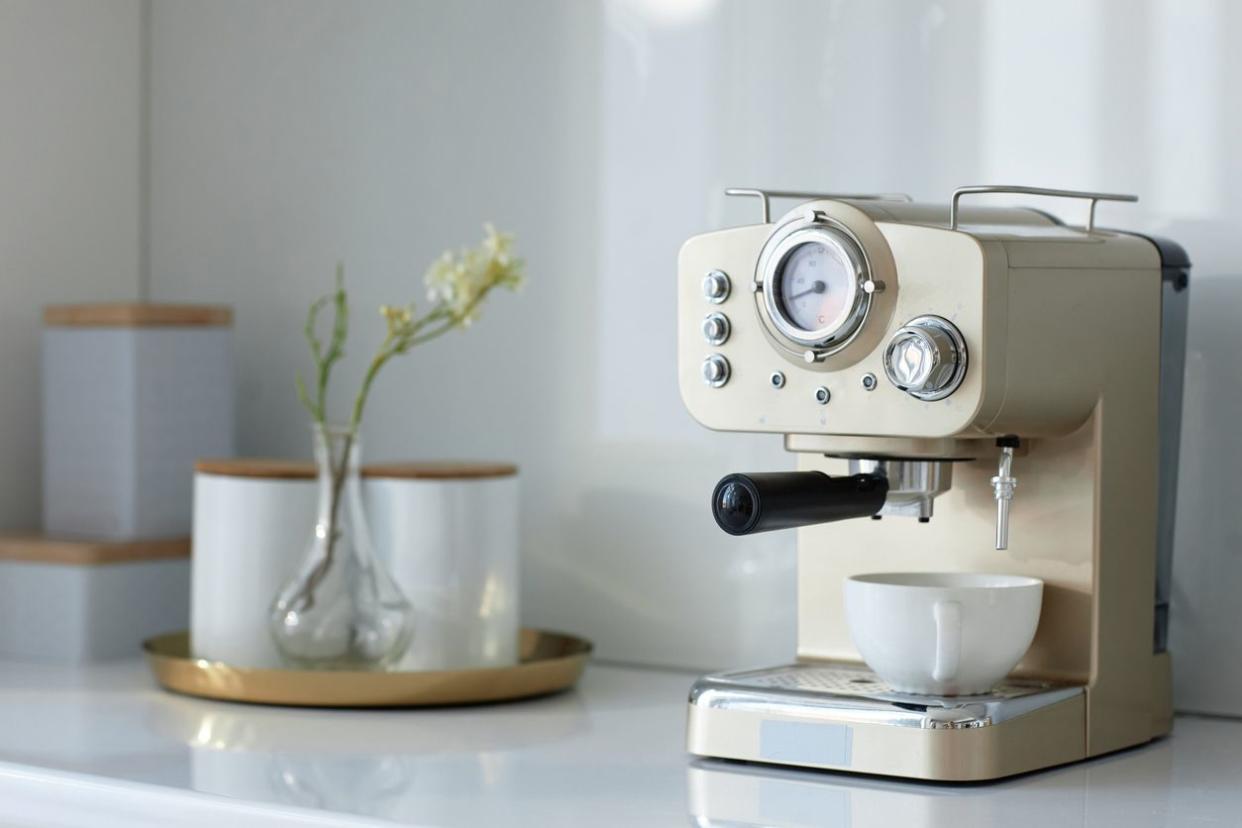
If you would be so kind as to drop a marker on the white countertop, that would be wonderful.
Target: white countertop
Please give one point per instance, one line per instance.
(102, 745)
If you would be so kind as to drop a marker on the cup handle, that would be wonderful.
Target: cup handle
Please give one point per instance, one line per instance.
(948, 615)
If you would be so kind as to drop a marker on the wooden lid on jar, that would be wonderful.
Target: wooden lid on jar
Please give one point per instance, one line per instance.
(40, 549)
(439, 470)
(266, 468)
(137, 315)
(274, 469)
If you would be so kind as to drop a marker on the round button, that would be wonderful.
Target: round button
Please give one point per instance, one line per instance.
(716, 286)
(822, 395)
(926, 358)
(716, 328)
(715, 370)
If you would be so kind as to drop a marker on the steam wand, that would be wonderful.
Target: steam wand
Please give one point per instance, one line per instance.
(1003, 485)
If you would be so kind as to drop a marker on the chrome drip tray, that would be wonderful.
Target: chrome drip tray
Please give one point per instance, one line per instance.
(847, 692)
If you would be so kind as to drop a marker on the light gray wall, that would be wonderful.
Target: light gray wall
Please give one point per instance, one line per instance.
(69, 196)
(288, 135)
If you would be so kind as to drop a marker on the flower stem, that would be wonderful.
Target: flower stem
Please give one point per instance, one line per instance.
(398, 343)
(324, 359)
(377, 362)
(336, 474)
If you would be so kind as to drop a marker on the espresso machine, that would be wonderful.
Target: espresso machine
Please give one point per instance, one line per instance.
(966, 388)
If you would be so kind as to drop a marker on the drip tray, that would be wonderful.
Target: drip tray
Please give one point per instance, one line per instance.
(847, 692)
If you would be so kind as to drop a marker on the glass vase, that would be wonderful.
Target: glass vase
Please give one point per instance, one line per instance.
(342, 610)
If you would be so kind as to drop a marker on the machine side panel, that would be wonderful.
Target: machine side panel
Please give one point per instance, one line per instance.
(1174, 311)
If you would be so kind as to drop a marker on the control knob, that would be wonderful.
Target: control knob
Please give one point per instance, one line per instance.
(716, 328)
(715, 370)
(926, 358)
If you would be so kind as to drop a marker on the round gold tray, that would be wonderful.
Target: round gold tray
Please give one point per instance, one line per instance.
(549, 662)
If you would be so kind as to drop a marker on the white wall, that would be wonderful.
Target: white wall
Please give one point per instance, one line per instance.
(287, 135)
(69, 196)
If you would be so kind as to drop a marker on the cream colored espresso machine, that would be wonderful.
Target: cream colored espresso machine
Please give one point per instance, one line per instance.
(966, 388)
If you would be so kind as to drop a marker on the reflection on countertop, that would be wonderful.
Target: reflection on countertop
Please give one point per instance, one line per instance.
(609, 752)
(1190, 778)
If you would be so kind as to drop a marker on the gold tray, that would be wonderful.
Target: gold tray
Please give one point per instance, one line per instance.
(549, 662)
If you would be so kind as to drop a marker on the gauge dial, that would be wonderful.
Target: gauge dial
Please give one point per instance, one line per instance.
(815, 280)
(816, 286)
(812, 281)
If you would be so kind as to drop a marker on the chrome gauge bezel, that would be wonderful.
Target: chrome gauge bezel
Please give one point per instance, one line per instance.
(832, 337)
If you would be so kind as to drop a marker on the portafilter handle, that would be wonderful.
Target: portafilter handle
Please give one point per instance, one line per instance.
(764, 501)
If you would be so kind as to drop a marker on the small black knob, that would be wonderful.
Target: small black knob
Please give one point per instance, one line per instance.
(762, 502)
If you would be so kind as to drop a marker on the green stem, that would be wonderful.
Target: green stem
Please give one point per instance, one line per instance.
(384, 353)
(336, 473)
(427, 337)
(399, 344)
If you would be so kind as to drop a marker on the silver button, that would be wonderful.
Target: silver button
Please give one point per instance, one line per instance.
(777, 379)
(822, 395)
(716, 286)
(716, 328)
(715, 370)
(926, 358)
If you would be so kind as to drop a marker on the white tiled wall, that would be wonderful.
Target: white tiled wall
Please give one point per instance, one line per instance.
(288, 135)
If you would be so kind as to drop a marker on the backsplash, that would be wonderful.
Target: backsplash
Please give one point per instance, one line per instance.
(604, 135)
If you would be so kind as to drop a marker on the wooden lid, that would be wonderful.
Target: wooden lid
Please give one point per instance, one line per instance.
(137, 315)
(39, 549)
(261, 467)
(440, 470)
(275, 469)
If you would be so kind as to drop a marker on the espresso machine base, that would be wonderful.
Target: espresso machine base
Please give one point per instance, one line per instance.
(842, 717)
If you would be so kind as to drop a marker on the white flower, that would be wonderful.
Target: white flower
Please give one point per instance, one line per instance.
(460, 282)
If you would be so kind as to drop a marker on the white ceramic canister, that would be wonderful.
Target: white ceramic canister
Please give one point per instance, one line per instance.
(449, 533)
(252, 521)
(132, 394)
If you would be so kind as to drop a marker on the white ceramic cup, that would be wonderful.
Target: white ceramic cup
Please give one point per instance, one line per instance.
(942, 633)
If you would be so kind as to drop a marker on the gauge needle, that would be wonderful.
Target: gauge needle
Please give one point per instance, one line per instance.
(816, 287)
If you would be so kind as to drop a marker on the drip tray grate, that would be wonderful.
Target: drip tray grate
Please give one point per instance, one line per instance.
(851, 692)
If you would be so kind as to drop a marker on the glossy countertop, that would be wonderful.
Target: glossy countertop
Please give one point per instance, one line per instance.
(104, 742)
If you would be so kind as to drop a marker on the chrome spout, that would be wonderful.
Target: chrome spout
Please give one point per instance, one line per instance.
(1003, 485)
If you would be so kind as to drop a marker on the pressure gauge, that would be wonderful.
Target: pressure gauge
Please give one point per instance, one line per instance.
(814, 278)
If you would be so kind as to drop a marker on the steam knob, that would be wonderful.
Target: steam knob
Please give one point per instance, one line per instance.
(926, 358)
